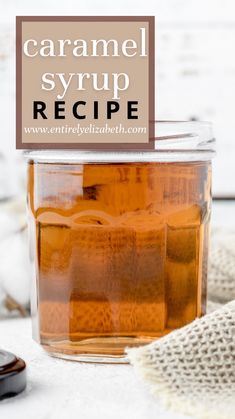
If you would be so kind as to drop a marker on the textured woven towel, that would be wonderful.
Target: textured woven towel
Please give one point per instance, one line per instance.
(221, 278)
(192, 370)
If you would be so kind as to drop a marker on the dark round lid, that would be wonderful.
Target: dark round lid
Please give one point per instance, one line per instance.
(12, 374)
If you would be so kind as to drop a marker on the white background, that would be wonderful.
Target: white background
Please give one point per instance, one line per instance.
(195, 70)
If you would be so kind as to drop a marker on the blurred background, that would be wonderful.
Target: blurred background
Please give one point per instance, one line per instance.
(195, 79)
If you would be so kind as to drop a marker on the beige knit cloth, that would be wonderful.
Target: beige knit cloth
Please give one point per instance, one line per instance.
(192, 370)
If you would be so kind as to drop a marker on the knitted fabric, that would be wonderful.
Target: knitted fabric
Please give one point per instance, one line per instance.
(192, 370)
(221, 275)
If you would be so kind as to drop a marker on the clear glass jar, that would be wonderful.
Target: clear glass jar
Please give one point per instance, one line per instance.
(119, 242)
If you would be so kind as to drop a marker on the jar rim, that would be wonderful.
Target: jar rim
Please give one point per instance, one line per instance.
(173, 141)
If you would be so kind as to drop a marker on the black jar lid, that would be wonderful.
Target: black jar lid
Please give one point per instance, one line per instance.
(12, 374)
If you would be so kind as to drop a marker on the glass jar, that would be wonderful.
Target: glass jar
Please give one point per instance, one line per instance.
(119, 242)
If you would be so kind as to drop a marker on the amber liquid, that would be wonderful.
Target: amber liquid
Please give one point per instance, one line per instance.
(121, 252)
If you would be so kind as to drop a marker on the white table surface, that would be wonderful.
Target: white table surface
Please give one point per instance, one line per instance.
(60, 389)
